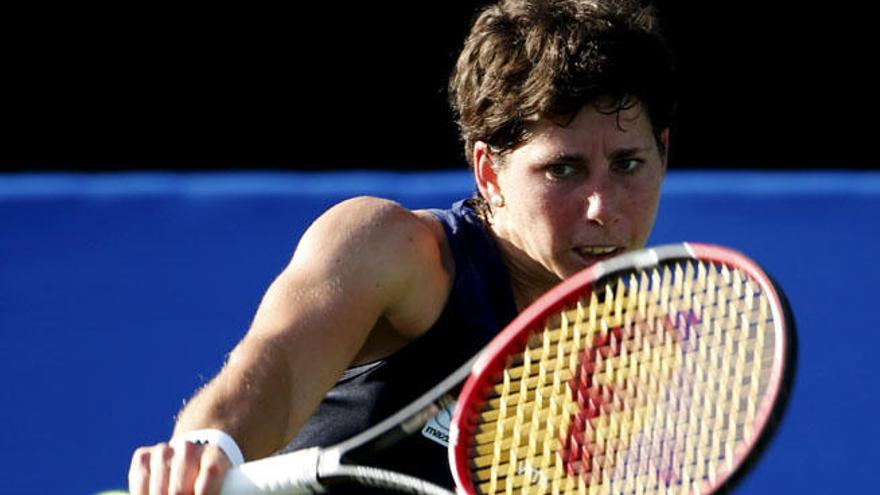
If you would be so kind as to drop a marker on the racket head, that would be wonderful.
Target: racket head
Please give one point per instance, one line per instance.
(639, 364)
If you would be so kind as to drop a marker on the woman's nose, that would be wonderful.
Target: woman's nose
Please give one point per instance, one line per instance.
(596, 208)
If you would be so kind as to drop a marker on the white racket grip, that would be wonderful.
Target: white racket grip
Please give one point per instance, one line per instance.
(288, 474)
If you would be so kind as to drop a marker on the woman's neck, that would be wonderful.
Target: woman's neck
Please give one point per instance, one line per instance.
(528, 279)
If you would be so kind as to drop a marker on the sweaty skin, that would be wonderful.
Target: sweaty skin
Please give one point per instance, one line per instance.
(573, 194)
(369, 276)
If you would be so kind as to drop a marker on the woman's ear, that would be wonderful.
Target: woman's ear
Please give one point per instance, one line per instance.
(486, 172)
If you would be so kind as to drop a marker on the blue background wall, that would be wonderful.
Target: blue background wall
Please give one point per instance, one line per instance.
(120, 295)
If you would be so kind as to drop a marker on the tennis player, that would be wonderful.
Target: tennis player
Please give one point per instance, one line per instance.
(564, 108)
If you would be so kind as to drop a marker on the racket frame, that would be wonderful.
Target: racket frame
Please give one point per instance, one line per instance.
(567, 293)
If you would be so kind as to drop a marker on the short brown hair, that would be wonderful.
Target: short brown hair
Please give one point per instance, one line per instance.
(526, 59)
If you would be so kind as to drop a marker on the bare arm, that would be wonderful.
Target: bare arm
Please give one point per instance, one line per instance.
(365, 265)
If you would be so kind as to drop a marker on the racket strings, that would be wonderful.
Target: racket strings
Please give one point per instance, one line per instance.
(645, 387)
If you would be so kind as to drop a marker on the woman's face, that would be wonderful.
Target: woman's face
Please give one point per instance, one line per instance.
(574, 194)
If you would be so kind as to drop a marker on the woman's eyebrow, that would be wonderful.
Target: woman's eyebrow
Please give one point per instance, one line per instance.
(565, 157)
(574, 157)
(627, 152)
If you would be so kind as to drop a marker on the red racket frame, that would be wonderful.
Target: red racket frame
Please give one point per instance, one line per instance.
(513, 339)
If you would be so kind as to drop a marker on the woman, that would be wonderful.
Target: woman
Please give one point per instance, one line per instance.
(564, 108)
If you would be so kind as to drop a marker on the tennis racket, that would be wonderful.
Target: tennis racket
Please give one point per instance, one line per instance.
(658, 371)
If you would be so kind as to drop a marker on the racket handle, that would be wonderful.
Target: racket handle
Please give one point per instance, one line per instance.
(288, 474)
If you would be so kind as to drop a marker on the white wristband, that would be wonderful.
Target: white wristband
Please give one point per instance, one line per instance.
(213, 437)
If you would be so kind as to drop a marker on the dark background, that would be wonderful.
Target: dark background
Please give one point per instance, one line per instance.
(774, 84)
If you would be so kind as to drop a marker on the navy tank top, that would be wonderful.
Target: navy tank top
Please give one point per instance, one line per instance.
(480, 304)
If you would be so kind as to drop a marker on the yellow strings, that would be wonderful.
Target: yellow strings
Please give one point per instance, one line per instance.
(676, 359)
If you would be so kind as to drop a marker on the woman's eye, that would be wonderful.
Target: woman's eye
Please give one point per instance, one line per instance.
(627, 166)
(560, 171)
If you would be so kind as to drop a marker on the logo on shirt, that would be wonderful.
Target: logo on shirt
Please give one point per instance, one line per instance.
(437, 428)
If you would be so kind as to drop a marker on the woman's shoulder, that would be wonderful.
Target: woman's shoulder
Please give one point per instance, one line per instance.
(388, 248)
(379, 221)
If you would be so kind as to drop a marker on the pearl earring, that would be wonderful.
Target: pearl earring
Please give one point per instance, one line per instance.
(496, 200)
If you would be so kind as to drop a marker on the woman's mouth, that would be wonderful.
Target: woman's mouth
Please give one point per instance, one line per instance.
(592, 254)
